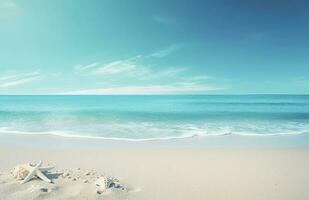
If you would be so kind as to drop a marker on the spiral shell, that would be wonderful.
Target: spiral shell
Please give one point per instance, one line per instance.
(20, 172)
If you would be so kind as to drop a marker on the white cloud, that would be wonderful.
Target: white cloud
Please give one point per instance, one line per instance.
(18, 75)
(133, 76)
(123, 69)
(128, 68)
(167, 51)
(86, 67)
(11, 80)
(17, 82)
(147, 90)
(116, 67)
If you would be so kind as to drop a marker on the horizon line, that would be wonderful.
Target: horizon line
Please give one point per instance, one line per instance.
(151, 94)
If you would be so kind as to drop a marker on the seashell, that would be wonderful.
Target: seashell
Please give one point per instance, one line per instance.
(20, 172)
(104, 183)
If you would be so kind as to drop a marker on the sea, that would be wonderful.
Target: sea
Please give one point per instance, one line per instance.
(160, 117)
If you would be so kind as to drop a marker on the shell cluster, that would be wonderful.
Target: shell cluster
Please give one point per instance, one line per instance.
(102, 182)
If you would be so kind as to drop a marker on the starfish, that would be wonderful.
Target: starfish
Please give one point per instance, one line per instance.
(37, 171)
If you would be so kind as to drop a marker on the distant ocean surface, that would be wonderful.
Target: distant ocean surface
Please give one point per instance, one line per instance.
(139, 118)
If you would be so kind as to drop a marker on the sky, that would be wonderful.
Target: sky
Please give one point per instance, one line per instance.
(154, 47)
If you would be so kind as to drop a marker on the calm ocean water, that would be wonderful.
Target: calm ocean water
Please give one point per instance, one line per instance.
(155, 117)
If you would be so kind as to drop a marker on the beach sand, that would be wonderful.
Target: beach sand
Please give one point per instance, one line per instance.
(163, 173)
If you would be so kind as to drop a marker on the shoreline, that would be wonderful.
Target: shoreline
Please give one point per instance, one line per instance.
(213, 141)
(180, 137)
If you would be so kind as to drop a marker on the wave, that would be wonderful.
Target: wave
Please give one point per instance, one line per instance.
(270, 134)
(67, 134)
(6, 130)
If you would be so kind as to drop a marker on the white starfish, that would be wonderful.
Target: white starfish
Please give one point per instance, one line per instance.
(36, 171)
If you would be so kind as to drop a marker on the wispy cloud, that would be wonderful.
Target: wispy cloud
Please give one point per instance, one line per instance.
(134, 75)
(191, 88)
(85, 67)
(128, 68)
(118, 67)
(167, 51)
(15, 79)
(131, 66)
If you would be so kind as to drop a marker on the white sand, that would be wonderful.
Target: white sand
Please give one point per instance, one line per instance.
(156, 174)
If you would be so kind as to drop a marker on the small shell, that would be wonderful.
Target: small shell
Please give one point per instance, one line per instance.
(20, 172)
(104, 183)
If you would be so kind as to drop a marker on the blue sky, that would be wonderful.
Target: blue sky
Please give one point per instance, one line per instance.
(154, 47)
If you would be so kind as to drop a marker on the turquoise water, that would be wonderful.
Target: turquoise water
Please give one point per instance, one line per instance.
(155, 117)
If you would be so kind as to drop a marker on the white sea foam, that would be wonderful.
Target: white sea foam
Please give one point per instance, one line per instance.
(194, 133)
(270, 134)
(7, 130)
